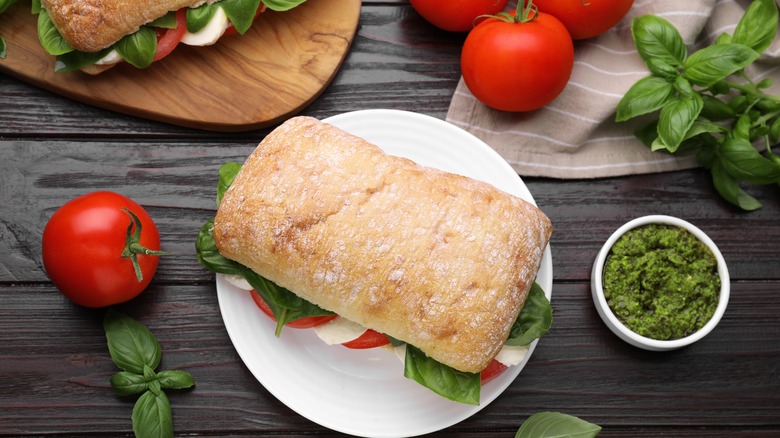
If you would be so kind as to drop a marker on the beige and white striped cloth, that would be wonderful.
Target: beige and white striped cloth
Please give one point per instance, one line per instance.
(575, 136)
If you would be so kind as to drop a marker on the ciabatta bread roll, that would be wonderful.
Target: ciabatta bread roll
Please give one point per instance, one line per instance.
(93, 25)
(438, 260)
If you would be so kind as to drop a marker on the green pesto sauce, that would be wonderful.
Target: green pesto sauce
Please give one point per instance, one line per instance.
(661, 282)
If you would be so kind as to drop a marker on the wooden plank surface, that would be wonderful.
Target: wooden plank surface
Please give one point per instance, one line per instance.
(54, 366)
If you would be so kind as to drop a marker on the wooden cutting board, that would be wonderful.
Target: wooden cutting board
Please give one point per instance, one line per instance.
(243, 82)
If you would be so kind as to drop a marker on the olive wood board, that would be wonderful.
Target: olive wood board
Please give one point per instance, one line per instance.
(241, 83)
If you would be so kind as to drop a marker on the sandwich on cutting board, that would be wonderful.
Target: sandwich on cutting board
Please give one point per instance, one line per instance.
(95, 35)
(439, 261)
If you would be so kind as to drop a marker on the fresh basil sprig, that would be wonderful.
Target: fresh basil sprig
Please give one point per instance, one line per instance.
(556, 425)
(135, 350)
(706, 104)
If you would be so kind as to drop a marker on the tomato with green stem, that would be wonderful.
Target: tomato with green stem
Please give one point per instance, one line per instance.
(518, 61)
(586, 18)
(101, 249)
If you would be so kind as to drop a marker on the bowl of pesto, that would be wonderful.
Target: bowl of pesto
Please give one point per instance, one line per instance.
(660, 283)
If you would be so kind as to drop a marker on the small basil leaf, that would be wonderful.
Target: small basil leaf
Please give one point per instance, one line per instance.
(758, 27)
(198, 18)
(130, 344)
(282, 5)
(662, 69)
(647, 133)
(75, 60)
(676, 118)
(645, 96)
(125, 383)
(535, 318)
(715, 109)
(173, 379)
(556, 425)
(709, 65)
(729, 189)
(152, 417)
(241, 13)
(50, 38)
(443, 380)
(5, 4)
(657, 38)
(227, 173)
(3, 49)
(167, 21)
(138, 48)
(742, 161)
(209, 256)
(774, 131)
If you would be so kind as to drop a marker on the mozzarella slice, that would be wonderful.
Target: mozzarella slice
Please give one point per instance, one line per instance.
(339, 330)
(238, 281)
(511, 354)
(113, 57)
(210, 33)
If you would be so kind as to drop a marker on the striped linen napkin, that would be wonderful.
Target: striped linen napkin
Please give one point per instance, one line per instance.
(575, 136)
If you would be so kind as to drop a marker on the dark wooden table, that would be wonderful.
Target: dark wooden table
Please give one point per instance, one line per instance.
(54, 365)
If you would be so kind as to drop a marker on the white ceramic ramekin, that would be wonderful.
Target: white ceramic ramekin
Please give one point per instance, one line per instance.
(624, 332)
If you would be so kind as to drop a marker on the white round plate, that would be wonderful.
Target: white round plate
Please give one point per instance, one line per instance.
(364, 392)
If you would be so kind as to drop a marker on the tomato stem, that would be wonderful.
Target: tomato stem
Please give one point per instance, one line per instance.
(525, 12)
(132, 245)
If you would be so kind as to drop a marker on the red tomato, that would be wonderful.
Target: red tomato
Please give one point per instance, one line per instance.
(168, 39)
(493, 370)
(305, 322)
(586, 18)
(517, 66)
(456, 15)
(369, 339)
(83, 245)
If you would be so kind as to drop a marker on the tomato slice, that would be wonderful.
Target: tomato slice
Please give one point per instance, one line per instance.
(231, 30)
(168, 39)
(369, 339)
(305, 322)
(493, 370)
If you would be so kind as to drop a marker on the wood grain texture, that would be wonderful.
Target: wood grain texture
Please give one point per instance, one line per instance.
(230, 86)
(54, 366)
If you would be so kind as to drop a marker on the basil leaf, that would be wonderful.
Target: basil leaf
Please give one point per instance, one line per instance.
(125, 383)
(715, 109)
(175, 379)
(130, 344)
(75, 60)
(676, 118)
(443, 380)
(167, 21)
(657, 38)
(742, 161)
(556, 425)
(709, 65)
(241, 13)
(3, 49)
(152, 416)
(50, 37)
(282, 5)
(227, 173)
(198, 18)
(535, 318)
(5, 4)
(729, 189)
(645, 96)
(208, 253)
(758, 27)
(285, 305)
(138, 48)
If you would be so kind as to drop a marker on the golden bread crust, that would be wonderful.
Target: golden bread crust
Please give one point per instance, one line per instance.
(438, 260)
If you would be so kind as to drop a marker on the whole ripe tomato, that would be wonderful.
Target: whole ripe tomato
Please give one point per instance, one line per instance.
(520, 63)
(586, 18)
(456, 15)
(89, 248)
